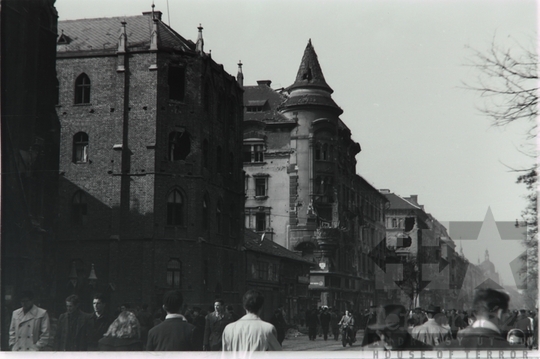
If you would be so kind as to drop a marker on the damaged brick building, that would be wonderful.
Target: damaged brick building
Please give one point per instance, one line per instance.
(151, 193)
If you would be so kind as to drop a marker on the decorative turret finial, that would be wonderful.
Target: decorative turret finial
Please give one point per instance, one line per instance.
(200, 42)
(240, 75)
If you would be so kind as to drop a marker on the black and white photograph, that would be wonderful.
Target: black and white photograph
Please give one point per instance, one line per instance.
(229, 177)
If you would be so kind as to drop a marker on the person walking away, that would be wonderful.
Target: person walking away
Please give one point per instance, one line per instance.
(123, 335)
(174, 333)
(312, 321)
(198, 332)
(214, 326)
(431, 332)
(98, 322)
(334, 323)
(278, 322)
(234, 316)
(145, 320)
(325, 319)
(249, 333)
(72, 329)
(29, 328)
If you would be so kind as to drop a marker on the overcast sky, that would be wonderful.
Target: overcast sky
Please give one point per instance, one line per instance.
(396, 68)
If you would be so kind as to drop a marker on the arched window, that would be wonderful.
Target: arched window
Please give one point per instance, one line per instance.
(179, 145)
(177, 81)
(175, 209)
(80, 147)
(79, 207)
(174, 273)
(82, 89)
(219, 216)
(324, 154)
(205, 212)
(205, 153)
(231, 221)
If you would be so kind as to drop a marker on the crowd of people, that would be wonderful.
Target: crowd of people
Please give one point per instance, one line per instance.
(173, 328)
(489, 324)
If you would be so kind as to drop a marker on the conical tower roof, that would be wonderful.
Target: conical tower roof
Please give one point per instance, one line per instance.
(310, 73)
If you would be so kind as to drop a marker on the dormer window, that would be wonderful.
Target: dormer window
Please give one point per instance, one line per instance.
(63, 39)
(256, 106)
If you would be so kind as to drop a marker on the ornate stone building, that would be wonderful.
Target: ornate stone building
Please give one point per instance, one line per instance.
(302, 189)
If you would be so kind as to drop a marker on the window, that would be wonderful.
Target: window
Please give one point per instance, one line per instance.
(179, 145)
(79, 207)
(219, 216)
(174, 273)
(176, 81)
(263, 270)
(260, 222)
(175, 209)
(80, 148)
(205, 153)
(253, 152)
(205, 211)
(258, 152)
(260, 187)
(82, 89)
(232, 220)
(231, 274)
(254, 109)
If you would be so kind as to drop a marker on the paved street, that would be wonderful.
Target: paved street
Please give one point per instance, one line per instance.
(302, 343)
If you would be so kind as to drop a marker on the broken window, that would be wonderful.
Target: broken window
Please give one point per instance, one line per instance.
(409, 224)
(179, 145)
(82, 89)
(80, 147)
(176, 81)
(175, 209)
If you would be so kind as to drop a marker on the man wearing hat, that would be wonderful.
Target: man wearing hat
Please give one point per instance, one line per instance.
(431, 332)
(390, 333)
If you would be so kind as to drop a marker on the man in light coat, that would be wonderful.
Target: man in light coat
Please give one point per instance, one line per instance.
(249, 333)
(29, 329)
(431, 332)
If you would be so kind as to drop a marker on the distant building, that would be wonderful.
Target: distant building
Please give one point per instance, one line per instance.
(301, 186)
(30, 142)
(151, 195)
(488, 268)
(280, 274)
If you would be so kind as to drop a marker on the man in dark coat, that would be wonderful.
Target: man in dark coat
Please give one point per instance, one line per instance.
(98, 322)
(312, 321)
(325, 318)
(215, 325)
(198, 334)
(486, 332)
(174, 333)
(72, 329)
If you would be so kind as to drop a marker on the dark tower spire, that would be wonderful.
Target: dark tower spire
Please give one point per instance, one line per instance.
(240, 75)
(310, 73)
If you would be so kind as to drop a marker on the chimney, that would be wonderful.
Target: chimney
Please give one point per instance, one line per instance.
(155, 14)
(240, 75)
(264, 82)
(414, 198)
